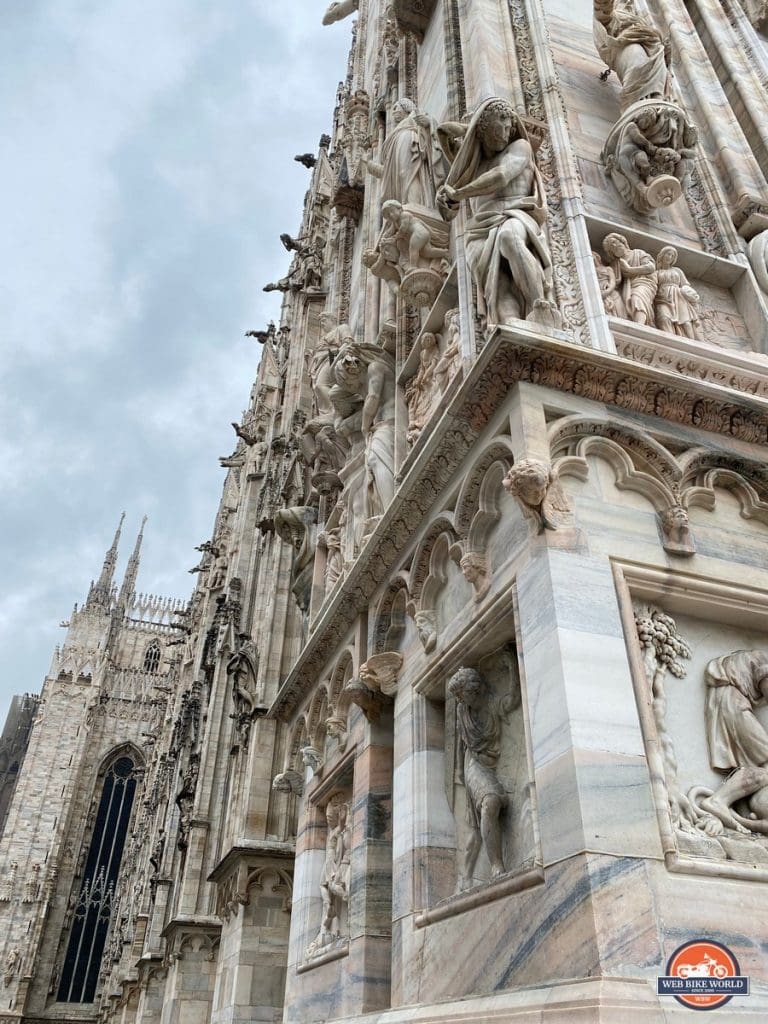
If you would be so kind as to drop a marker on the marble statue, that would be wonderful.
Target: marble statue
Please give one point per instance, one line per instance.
(409, 165)
(649, 154)
(449, 363)
(609, 288)
(479, 718)
(242, 670)
(738, 742)
(334, 884)
(676, 530)
(506, 247)
(758, 258)
(332, 336)
(676, 305)
(422, 389)
(426, 627)
(289, 781)
(474, 566)
(334, 559)
(637, 277)
(632, 48)
(536, 487)
(364, 399)
(11, 966)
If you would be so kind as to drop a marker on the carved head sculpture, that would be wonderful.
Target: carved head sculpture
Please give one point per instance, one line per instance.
(667, 257)
(645, 119)
(467, 685)
(528, 480)
(327, 322)
(336, 726)
(349, 368)
(392, 212)
(426, 627)
(475, 568)
(402, 109)
(495, 126)
(615, 246)
(336, 811)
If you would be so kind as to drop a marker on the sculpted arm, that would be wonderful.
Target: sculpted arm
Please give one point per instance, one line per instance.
(376, 379)
(514, 162)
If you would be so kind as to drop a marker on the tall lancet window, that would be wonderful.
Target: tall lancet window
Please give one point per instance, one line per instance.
(90, 921)
(152, 657)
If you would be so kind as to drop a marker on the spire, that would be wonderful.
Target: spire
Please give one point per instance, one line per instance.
(100, 591)
(131, 571)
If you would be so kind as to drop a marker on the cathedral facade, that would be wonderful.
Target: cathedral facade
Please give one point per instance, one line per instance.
(463, 720)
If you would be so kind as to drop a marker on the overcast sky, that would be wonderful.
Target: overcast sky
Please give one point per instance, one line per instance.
(146, 172)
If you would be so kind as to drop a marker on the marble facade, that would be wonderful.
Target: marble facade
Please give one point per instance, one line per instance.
(443, 731)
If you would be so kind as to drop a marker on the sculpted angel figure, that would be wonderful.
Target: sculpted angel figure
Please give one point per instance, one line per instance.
(507, 250)
(634, 49)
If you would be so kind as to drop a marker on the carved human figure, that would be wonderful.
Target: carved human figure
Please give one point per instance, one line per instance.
(649, 155)
(635, 270)
(426, 626)
(474, 565)
(334, 559)
(676, 305)
(364, 399)
(634, 49)
(408, 157)
(507, 250)
(334, 884)
(420, 392)
(676, 530)
(332, 336)
(411, 236)
(11, 966)
(738, 743)
(535, 486)
(609, 288)
(242, 671)
(336, 728)
(479, 719)
(450, 359)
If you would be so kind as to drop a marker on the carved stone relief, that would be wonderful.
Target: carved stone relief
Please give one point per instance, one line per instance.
(725, 814)
(541, 498)
(334, 882)
(439, 363)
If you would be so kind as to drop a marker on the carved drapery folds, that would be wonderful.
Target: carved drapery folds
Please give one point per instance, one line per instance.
(334, 882)
(651, 292)
(650, 151)
(727, 819)
(439, 363)
(411, 250)
(649, 154)
(507, 249)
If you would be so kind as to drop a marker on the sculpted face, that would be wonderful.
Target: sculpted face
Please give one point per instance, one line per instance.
(667, 257)
(349, 368)
(401, 110)
(616, 246)
(496, 131)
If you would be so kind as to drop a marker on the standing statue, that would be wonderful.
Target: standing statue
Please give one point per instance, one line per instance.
(364, 399)
(609, 288)
(478, 719)
(634, 49)
(408, 158)
(635, 270)
(332, 336)
(334, 885)
(507, 250)
(676, 304)
(242, 670)
(421, 391)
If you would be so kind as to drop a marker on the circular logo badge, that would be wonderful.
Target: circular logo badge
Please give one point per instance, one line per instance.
(705, 966)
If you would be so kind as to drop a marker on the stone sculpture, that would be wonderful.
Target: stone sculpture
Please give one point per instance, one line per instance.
(334, 559)
(336, 728)
(364, 399)
(474, 565)
(450, 360)
(411, 252)
(632, 48)
(649, 154)
(507, 250)
(676, 530)
(541, 498)
(654, 293)
(289, 781)
(409, 166)
(636, 276)
(334, 884)
(420, 392)
(738, 743)
(479, 718)
(11, 966)
(758, 258)
(426, 626)
(242, 670)
(676, 305)
(297, 527)
(340, 10)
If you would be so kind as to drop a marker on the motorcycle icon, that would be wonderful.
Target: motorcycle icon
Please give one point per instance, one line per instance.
(709, 967)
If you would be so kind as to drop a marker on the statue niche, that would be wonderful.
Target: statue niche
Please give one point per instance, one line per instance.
(334, 882)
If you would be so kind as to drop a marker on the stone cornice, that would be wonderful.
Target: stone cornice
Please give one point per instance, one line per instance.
(510, 356)
(253, 850)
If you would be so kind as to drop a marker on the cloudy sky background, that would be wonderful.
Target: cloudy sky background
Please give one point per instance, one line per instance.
(146, 172)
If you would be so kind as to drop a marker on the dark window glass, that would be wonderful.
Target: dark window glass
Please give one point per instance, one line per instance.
(152, 657)
(90, 921)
